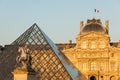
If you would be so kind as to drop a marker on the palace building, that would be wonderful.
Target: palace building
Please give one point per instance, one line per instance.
(93, 53)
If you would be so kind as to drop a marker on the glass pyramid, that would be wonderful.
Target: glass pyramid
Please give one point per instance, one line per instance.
(47, 60)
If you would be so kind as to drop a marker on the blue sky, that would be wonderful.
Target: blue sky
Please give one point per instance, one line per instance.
(59, 19)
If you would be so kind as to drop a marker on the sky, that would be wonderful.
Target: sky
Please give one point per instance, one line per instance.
(59, 19)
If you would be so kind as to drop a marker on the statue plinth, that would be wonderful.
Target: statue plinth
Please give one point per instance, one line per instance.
(22, 74)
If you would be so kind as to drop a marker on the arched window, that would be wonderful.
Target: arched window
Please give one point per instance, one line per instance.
(113, 78)
(92, 78)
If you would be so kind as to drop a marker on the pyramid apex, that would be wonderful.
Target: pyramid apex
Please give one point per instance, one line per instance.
(29, 35)
(35, 24)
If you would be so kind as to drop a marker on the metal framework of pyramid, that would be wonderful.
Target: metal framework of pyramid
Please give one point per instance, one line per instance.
(47, 60)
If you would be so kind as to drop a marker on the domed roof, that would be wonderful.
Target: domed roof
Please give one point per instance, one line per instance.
(96, 27)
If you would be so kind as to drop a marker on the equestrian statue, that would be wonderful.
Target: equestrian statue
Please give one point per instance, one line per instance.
(24, 59)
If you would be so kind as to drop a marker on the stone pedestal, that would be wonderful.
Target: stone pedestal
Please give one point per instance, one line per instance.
(20, 74)
(23, 74)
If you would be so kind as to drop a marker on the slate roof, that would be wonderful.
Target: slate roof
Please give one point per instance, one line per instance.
(93, 27)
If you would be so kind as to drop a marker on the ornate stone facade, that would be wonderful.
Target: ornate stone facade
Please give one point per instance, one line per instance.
(93, 55)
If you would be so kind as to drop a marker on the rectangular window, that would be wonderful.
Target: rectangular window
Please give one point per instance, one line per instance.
(93, 45)
(101, 66)
(101, 44)
(84, 66)
(93, 66)
(84, 45)
(112, 64)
